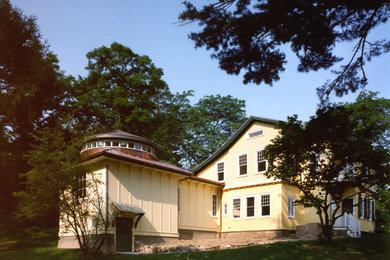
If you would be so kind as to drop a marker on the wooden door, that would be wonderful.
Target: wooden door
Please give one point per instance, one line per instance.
(124, 235)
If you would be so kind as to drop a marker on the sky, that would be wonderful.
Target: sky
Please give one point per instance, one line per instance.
(150, 27)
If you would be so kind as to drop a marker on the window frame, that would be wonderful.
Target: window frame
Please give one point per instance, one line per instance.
(238, 165)
(257, 162)
(370, 210)
(261, 205)
(254, 131)
(232, 210)
(214, 195)
(246, 206)
(217, 172)
(225, 206)
(292, 206)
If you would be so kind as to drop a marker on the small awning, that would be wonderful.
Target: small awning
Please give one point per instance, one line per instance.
(127, 211)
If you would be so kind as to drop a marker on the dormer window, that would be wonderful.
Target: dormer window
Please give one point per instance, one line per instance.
(256, 133)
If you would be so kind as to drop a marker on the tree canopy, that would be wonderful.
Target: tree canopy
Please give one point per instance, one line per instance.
(249, 35)
(209, 123)
(31, 91)
(337, 148)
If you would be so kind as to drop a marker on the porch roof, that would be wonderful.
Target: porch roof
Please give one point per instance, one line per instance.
(125, 208)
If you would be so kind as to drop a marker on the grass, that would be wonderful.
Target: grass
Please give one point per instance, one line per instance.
(36, 244)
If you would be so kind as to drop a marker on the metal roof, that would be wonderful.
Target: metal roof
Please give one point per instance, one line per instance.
(125, 208)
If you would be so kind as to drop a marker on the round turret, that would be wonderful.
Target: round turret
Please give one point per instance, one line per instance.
(122, 141)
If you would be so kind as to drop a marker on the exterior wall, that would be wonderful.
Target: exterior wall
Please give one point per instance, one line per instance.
(196, 206)
(303, 215)
(230, 157)
(273, 222)
(365, 224)
(100, 175)
(152, 190)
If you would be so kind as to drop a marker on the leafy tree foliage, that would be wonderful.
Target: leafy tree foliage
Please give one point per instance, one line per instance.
(210, 123)
(247, 35)
(54, 161)
(31, 90)
(336, 149)
(124, 90)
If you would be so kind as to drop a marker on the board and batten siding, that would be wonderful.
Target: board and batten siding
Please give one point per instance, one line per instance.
(196, 206)
(152, 190)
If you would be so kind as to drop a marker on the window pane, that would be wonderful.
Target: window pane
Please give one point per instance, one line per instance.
(93, 144)
(265, 205)
(261, 166)
(236, 208)
(225, 209)
(243, 164)
(220, 171)
(250, 207)
(131, 145)
(123, 144)
(100, 143)
(137, 146)
(214, 205)
(143, 147)
(115, 143)
(107, 143)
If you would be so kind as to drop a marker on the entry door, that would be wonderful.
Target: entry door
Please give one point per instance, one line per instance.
(348, 206)
(124, 236)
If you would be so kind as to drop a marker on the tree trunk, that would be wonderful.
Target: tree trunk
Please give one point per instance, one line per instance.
(327, 233)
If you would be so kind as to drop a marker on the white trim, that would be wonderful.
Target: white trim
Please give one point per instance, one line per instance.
(256, 163)
(246, 206)
(260, 205)
(293, 206)
(216, 205)
(254, 131)
(225, 206)
(224, 171)
(238, 165)
(232, 208)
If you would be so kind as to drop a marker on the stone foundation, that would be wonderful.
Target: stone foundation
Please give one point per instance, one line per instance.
(258, 235)
(185, 234)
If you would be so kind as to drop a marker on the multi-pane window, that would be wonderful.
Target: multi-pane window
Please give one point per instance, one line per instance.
(250, 206)
(265, 205)
(225, 209)
(255, 133)
(261, 161)
(81, 185)
(243, 164)
(236, 209)
(291, 207)
(221, 171)
(215, 205)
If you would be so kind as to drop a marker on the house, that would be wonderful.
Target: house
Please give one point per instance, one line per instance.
(225, 196)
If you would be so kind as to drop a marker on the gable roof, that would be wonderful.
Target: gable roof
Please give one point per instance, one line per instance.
(225, 146)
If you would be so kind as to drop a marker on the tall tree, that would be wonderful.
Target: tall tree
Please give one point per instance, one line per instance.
(336, 149)
(31, 90)
(124, 90)
(247, 35)
(210, 122)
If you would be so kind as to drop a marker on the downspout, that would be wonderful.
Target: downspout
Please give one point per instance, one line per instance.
(220, 214)
(106, 226)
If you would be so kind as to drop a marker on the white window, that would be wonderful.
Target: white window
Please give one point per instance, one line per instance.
(215, 205)
(265, 205)
(236, 208)
(291, 207)
(225, 209)
(250, 207)
(255, 133)
(261, 162)
(220, 171)
(243, 164)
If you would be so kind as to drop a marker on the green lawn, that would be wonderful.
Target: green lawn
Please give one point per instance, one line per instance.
(44, 247)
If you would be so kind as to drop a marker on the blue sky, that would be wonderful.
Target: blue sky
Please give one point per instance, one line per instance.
(149, 27)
